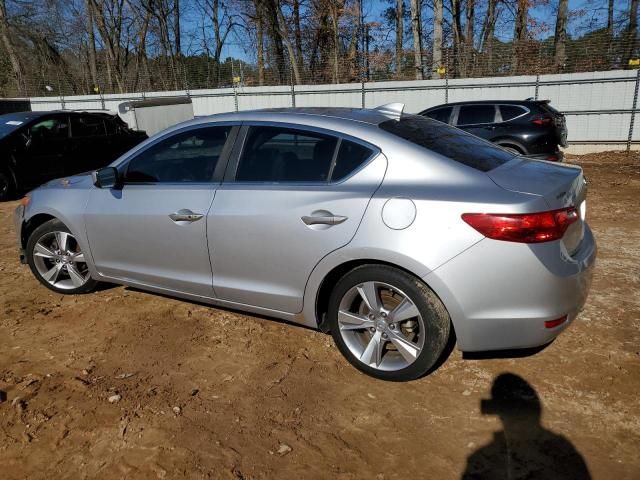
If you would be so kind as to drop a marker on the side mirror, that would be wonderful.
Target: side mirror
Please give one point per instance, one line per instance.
(106, 177)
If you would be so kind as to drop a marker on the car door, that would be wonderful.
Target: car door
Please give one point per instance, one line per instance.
(153, 230)
(89, 142)
(45, 155)
(290, 197)
(477, 119)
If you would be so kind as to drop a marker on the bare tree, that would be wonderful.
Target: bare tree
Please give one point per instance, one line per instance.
(437, 35)
(610, 19)
(632, 31)
(560, 39)
(468, 36)
(416, 30)
(11, 52)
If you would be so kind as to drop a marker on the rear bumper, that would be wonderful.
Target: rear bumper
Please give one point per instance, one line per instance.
(499, 294)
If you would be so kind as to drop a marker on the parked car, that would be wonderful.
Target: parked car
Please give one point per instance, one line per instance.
(39, 146)
(531, 127)
(388, 230)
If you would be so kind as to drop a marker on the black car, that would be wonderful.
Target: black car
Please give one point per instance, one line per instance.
(527, 127)
(39, 146)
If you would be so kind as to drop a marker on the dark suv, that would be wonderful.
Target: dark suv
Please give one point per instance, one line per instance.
(36, 147)
(527, 127)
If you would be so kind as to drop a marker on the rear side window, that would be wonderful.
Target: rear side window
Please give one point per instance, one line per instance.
(350, 157)
(448, 141)
(51, 128)
(186, 157)
(276, 155)
(509, 112)
(473, 114)
(87, 126)
(441, 114)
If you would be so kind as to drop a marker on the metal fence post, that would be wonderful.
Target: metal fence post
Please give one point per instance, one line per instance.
(537, 86)
(293, 83)
(633, 111)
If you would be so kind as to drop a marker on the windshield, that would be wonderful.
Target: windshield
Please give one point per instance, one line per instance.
(448, 141)
(9, 125)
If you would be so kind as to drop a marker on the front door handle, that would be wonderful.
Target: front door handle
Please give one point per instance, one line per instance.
(185, 215)
(323, 219)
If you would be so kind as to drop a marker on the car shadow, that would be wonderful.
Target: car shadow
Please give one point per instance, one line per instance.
(524, 449)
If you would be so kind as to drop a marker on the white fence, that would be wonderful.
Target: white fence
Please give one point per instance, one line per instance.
(600, 106)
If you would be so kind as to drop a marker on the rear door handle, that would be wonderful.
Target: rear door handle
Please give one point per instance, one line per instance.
(323, 219)
(185, 215)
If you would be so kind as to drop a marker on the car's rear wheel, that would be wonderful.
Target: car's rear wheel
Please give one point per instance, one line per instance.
(57, 261)
(388, 323)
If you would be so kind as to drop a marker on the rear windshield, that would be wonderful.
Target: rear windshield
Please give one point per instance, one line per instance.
(8, 125)
(448, 141)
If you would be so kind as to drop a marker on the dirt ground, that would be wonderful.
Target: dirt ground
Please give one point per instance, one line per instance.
(210, 393)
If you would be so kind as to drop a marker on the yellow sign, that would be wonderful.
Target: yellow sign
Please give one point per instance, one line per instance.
(441, 70)
(634, 62)
(236, 79)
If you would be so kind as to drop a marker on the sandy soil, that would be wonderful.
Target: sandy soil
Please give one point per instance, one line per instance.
(210, 393)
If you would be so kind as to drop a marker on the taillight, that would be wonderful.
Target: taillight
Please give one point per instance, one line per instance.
(524, 228)
(542, 120)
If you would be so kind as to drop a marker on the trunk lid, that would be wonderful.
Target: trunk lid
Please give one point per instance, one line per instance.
(561, 186)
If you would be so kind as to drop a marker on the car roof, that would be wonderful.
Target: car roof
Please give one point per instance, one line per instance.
(28, 116)
(362, 115)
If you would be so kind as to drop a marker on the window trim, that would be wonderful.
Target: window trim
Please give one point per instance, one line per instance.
(218, 172)
(236, 155)
(496, 113)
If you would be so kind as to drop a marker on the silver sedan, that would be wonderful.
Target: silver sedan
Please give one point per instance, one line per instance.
(389, 230)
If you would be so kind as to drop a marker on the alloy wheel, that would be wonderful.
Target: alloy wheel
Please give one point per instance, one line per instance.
(59, 260)
(381, 326)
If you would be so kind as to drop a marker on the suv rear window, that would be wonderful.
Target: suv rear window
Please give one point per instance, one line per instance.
(511, 111)
(449, 142)
(440, 114)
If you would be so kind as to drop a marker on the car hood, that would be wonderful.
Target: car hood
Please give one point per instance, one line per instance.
(79, 181)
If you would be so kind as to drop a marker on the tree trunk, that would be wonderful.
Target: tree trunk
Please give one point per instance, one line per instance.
(416, 30)
(486, 45)
(437, 37)
(610, 19)
(560, 39)
(297, 33)
(468, 56)
(93, 65)
(260, 44)
(11, 52)
(399, 34)
(458, 38)
(284, 34)
(176, 27)
(273, 31)
(632, 32)
(519, 34)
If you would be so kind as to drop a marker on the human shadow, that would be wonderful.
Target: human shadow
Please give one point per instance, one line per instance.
(524, 449)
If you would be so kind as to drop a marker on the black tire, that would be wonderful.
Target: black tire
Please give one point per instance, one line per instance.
(7, 186)
(46, 228)
(435, 317)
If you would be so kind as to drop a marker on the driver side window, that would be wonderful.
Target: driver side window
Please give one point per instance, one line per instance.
(186, 157)
(50, 128)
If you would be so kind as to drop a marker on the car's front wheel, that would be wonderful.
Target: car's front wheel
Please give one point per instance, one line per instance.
(388, 323)
(57, 261)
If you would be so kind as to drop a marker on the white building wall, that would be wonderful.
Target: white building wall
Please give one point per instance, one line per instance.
(597, 104)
